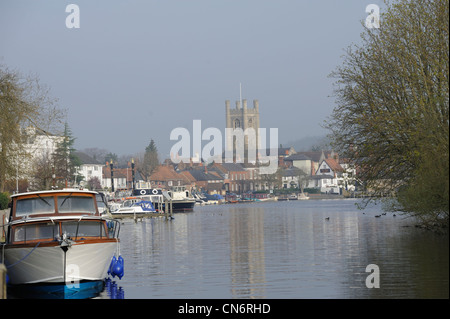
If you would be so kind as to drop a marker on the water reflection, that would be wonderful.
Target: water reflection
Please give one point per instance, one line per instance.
(107, 289)
(282, 250)
(113, 291)
(247, 252)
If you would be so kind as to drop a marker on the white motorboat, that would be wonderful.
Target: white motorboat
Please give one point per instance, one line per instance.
(135, 207)
(59, 238)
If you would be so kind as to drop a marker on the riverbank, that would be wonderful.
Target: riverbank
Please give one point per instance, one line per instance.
(325, 196)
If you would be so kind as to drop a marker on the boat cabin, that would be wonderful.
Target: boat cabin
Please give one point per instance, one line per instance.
(53, 203)
(52, 215)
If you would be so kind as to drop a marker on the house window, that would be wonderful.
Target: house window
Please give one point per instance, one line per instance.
(324, 170)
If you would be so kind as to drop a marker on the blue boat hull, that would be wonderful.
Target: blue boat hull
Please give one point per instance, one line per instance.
(82, 290)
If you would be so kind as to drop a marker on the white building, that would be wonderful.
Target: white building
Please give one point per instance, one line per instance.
(328, 176)
(36, 150)
(89, 169)
(39, 143)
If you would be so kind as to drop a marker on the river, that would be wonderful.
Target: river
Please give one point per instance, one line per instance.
(283, 250)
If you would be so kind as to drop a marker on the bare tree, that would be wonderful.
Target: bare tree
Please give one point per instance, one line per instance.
(43, 173)
(24, 103)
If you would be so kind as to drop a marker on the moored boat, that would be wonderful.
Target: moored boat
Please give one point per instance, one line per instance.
(59, 238)
(136, 207)
(180, 198)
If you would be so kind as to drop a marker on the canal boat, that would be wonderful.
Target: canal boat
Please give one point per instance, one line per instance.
(58, 241)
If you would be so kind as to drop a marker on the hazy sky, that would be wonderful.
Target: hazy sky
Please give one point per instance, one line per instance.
(135, 70)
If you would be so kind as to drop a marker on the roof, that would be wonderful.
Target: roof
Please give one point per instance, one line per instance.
(117, 172)
(187, 176)
(298, 157)
(201, 175)
(293, 171)
(64, 190)
(333, 164)
(164, 173)
(233, 167)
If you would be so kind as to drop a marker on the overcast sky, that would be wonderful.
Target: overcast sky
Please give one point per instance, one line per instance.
(135, 70)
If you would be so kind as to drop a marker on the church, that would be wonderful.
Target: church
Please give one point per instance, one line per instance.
(247, 119)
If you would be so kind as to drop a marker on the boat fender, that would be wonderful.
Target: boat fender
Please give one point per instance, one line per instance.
(111, 265)
(118, 268)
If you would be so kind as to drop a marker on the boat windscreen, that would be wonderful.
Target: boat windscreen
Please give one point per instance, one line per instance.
(78, 229)
(35, 205)
(76, 204)
(35, 231)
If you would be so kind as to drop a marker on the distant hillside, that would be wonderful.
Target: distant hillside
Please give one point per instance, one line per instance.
(309, 143)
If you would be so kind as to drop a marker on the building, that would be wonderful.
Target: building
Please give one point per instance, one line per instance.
(236, 178)
(301, 161)
(309, 161)
(39, 146)
(122, 178)
(90, 169)
(242, 118)
(328, 177)
(165, 176)
(293, 177)
(206, 181)
(39, 143)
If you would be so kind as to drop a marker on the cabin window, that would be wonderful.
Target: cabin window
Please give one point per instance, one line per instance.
(76, 204)
(83, 229)
(35, 205)
(35, 232)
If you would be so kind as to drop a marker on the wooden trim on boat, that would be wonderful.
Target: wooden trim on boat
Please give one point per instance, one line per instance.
(54, 196)
(32, 244)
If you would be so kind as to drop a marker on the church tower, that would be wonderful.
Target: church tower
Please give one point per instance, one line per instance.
(243, 117)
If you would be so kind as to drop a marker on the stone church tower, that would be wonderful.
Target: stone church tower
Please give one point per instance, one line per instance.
(242, 117)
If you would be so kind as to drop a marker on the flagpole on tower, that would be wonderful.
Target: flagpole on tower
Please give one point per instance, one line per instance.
(240, 94)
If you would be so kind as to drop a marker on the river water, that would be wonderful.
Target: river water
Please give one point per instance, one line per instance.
(282, 250)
